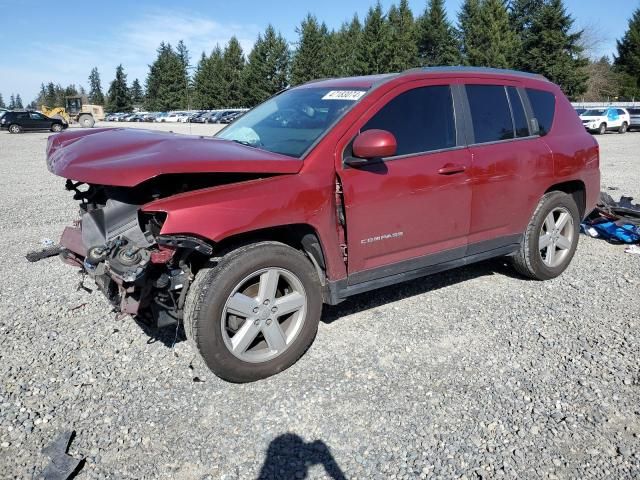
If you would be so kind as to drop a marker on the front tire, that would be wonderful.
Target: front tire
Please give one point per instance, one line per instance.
(56, 127)
(602, 129)
(255, 313)
(15, 128)
(551, 238)
(86, 121)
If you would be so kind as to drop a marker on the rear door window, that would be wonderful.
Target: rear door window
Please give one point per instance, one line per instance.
(490, 113)
(544, 106)
(519, 117)
(421, 119)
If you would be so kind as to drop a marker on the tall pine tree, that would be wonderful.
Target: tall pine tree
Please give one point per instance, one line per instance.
(2, 105)
(552, 48)
(18, 101)
(522, 13)
(469, 31)
(96, 97)
(627, 61)
(167, 84)
(402, 38)
(118, 97)
(233, 64)
(311, 55)
(209, 90)
(268, 68)
(487, 38)
(346, 43)
(137, 94)
(374, 54)
(437, 41)
(12, 102)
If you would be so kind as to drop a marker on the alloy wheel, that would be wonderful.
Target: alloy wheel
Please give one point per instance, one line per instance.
(264, 314)
(556, 237)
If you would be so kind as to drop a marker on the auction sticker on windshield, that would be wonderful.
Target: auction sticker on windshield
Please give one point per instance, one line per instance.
(344, 95)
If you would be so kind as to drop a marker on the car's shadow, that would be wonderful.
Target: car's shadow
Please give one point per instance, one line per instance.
(419, 286)
(171, 335)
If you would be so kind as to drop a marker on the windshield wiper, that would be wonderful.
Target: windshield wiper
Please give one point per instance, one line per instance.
(245, 143)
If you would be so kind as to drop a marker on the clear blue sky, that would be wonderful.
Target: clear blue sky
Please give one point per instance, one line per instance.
(61, 41)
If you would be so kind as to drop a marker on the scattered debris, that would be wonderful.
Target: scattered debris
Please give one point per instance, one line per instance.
(49, 251)
(77, 307)
(616, 222)
(635, 249)
(62, 465)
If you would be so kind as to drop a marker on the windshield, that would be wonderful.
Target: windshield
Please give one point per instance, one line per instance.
(291, 122)
(594, 113)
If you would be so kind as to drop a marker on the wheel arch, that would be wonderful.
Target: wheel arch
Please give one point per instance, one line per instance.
(575, 188)
(300, 236)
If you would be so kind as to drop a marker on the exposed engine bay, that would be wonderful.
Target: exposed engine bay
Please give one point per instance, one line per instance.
(120, 247)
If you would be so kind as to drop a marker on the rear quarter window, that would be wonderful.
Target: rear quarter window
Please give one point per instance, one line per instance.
(543, 104)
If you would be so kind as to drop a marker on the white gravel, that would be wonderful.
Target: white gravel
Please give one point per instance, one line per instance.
(473, 373)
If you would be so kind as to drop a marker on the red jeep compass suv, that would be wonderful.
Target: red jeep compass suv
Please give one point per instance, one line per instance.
(326, 190)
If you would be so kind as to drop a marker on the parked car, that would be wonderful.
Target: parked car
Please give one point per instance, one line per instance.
(138, 117)
(601, 120)
(218, 115)
(634, 117)
(580, 111)
(328, 190)
(161, 117)
(16, 122)
(171, 117)
(200, 118)
(195, 118)
(230, 117)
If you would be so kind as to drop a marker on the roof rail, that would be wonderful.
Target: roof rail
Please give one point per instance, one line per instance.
(464, 69)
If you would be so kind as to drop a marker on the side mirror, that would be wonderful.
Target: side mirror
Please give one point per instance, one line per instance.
(372, 144)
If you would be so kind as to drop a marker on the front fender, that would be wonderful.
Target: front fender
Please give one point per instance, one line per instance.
(225, 211)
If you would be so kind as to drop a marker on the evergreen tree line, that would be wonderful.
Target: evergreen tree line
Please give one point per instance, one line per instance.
(531, 35)
(15, 101)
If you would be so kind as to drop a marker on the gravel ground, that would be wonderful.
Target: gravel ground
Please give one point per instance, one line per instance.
(473, 373)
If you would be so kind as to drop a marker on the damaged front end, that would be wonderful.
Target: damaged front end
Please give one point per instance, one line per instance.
(119, 246)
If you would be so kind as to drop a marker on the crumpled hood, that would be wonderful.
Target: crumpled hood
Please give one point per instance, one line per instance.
(128, 156)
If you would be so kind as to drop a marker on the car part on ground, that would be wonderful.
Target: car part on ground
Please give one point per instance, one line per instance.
(615, 221)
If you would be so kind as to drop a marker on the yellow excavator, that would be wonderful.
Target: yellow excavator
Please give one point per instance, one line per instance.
(75, 111)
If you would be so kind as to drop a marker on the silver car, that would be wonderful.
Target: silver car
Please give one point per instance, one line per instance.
(634, 115)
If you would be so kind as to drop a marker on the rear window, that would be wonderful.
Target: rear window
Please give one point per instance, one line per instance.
(544, 106)
(490, 113)
(634, 111)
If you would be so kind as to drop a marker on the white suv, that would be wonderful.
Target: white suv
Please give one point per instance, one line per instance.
(600, 120)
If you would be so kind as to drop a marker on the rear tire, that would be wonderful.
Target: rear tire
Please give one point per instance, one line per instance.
(15, 128)
(623, 128)
(551, 238)
(273, 333)
(602, 129)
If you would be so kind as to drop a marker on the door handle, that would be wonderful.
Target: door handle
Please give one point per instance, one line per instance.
(450, 169)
